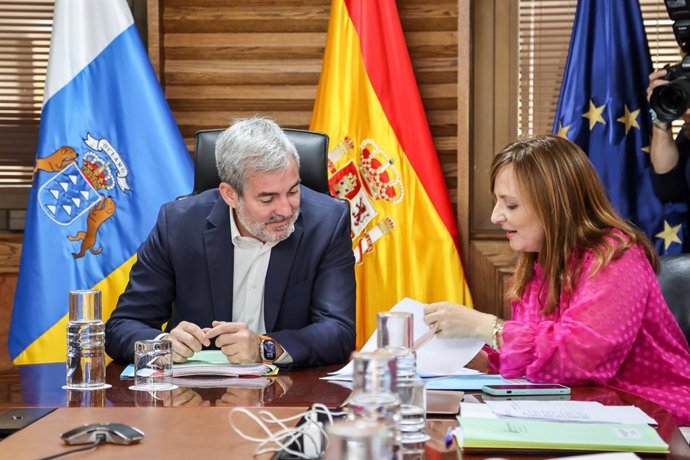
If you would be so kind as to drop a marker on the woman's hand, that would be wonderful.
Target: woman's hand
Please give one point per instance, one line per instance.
(451, 320)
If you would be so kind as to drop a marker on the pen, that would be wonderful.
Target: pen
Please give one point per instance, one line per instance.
(423, 339)
(449, 437)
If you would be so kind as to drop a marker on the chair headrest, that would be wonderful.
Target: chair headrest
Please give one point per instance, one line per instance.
(674, 280)
(312, 148)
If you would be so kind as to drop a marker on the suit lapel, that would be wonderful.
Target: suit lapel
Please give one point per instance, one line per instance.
(220, 259)
(282, 256)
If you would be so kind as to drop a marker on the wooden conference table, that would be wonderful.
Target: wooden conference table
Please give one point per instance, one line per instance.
(194, 421)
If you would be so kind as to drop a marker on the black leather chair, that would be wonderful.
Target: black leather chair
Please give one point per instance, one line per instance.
(674, 279)
(312, 148)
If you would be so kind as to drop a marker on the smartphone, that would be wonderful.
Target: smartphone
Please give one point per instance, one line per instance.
(523, 390)
(487, 397)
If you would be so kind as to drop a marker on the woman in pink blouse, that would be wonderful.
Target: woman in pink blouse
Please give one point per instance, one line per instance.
(586, 304)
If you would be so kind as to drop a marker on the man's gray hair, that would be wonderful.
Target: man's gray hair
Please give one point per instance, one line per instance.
(252, 146)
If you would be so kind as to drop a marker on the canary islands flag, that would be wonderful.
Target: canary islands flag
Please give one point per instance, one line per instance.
(109, 154)
(603, 108)
(383, 161)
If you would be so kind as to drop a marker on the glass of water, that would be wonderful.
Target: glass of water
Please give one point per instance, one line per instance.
(85, 342)
(153, 365)
(412, 436)
(358, 439)
(394, 334)
(374, 396)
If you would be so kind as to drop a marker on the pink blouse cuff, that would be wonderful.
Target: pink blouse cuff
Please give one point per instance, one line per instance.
(518, 348)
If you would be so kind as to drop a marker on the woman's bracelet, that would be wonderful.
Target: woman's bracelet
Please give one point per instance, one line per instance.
(662, 125)
(496, 331)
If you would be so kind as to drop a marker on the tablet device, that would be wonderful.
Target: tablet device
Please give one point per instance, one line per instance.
(13, 420)
(524, 390)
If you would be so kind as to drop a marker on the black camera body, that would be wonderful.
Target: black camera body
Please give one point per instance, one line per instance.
(671, 101)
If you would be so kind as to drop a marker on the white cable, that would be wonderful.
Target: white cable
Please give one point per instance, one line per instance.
(282, 439)
(287, 435)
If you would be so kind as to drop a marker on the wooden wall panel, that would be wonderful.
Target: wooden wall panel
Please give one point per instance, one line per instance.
(222, 60)
(10, 251)
(8, 282)
(218, 60)
(491, 268)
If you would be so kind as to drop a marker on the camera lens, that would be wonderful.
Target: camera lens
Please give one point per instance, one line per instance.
(671, 101)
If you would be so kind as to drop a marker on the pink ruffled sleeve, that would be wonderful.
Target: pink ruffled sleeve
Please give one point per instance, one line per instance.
(590, 337)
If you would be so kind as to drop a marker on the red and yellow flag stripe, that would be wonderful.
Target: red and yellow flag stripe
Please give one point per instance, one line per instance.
(384, 163)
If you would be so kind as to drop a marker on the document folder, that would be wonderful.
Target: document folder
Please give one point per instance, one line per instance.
(516, 434)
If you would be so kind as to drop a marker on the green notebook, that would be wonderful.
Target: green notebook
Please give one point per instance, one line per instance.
(519, 434)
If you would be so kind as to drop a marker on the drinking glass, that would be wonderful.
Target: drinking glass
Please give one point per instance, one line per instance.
(394, 334)
(153, 365)
(374, 396)
(358, 439)
(412, 427)
(85, 342)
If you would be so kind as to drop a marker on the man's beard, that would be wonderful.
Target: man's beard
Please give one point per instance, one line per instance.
(259, 229)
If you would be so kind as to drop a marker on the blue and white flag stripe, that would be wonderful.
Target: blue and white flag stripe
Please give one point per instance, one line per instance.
(109, 155)
(82, 29)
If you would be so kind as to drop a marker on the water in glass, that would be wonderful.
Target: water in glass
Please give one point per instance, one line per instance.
(85, 354)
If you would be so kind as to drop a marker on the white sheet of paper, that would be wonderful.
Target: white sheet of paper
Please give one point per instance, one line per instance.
(476, 410)
(439, 357)
(602, 456)
(685, 430)
(570, 411)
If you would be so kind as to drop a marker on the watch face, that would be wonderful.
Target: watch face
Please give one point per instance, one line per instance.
(269, 350)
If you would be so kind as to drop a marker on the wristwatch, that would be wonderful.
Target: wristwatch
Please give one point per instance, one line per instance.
(267, 349)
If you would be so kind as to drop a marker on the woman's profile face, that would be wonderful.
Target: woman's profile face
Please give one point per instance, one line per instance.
(515, 215)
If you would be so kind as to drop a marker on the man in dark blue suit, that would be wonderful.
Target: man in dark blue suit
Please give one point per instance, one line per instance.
(261, 267)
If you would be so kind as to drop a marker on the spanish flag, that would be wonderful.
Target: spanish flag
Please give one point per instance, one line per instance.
(383, 161)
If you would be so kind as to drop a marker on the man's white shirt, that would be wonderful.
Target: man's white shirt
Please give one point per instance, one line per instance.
(249, 280)
(248, 283)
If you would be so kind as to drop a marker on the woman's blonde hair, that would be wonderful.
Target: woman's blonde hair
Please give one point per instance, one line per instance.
(563, 188)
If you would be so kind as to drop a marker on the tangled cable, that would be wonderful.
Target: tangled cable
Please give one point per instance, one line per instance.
(309, 437)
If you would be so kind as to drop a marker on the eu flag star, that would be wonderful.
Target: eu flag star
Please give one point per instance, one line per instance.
(594, 114)
(669, 234)
(605, 81)
(563, 130)
(629, 119)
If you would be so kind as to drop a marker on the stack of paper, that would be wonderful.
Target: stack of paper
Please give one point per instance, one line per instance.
(214, 362)
(213, 381)
(570, 411)
(437, 357)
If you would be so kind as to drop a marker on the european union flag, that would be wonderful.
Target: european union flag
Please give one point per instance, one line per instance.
(109, 154)
(603, 108)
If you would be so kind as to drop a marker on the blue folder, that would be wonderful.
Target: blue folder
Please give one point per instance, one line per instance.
(470, 382)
